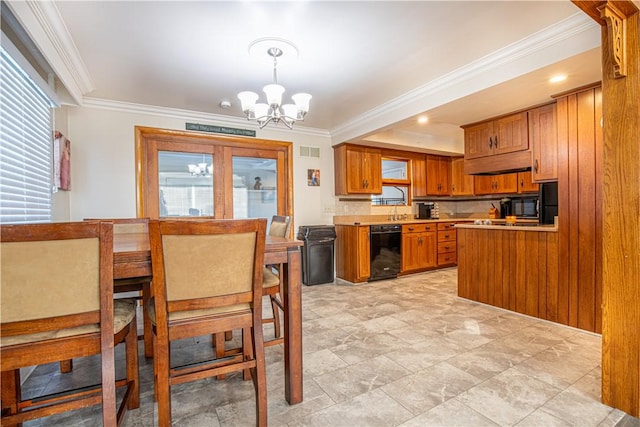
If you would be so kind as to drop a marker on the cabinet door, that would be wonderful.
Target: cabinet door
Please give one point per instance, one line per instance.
(364, 253)
(525, 184)
(372, 167)
(476, 140)
(363, 170)
(483, 184)
(429, 248)
(419, 176)
(438, 175)
(411, 251)
(506, 183)
(510, 134)
(543, 136)
(461, 183)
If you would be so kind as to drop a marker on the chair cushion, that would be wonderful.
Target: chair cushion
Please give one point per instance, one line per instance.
(269, 278)
(179, 315)
(278, 229)
(124, 311)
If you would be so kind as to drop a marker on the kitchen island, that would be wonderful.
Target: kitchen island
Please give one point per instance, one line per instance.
(514, 267)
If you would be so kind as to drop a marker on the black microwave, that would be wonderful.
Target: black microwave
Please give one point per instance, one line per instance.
(525, 207)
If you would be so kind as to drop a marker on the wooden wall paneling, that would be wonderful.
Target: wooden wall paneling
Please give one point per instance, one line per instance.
(507, 274)
(599, 147)
(621, 228)
(562, 110)
(573, 210)
(530, 240)
(485, 256)
(520, 275)
(461, 251)
(586, 213)
(542, 275)
(552, 276)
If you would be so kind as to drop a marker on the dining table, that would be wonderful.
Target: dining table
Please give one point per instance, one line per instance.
(132, 258)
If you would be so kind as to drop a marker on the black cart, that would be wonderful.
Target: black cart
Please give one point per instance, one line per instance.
(317, 253)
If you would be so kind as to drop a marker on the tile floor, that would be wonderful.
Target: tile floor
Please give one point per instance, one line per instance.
(404, 352)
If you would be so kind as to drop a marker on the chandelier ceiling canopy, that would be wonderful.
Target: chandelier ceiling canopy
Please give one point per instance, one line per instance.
(273, 110)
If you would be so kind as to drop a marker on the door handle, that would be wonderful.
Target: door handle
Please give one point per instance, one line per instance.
(535, 166)
(495, 142)
(490, 142)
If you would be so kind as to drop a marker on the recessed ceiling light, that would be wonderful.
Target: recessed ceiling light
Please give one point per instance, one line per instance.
(423, 119)
(558, 78)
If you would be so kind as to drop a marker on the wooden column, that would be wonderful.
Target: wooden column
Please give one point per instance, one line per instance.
(621, 202)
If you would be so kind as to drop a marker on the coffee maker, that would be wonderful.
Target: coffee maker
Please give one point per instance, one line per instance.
(426, 210)
(505, 207)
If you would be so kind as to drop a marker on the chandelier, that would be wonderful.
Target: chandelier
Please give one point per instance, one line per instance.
(200, 169)
(273, 110)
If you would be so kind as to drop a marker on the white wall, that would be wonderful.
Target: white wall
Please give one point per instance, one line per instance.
(103, 163)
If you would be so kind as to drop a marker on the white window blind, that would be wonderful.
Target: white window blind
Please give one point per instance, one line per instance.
(25, 147)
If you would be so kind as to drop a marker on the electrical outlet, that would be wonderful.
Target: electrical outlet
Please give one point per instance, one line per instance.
(329, 209)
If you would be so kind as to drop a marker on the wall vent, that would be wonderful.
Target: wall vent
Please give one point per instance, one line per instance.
(306, 151)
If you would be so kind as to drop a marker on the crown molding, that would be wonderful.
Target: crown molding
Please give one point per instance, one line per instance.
(42, 21)
(175, 113)
(536, 43)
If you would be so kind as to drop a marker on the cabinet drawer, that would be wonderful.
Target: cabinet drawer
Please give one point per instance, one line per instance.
(446, 226)
(446, 235)
(444, 247)
(448, 258)
(418, 228)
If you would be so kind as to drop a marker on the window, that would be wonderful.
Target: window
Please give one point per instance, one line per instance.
(395, 183)
(182, 174)
(25, 146)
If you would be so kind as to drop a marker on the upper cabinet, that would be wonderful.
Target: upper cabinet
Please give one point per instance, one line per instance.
(497, 146)
(496, 184)
(526, 184)
(543, 136)
(461, 183)
(438, 175)
(500, 136)
(358, 170)
(419, 175)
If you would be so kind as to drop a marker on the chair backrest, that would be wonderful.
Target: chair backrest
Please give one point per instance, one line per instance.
(126, 225)
(280, 226)
(61, 271)
(206, 264)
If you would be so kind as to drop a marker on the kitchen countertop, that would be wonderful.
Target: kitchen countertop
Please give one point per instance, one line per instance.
(355, 220)
(519, 226)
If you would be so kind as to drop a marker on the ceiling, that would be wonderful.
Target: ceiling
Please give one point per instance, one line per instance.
(372, 67)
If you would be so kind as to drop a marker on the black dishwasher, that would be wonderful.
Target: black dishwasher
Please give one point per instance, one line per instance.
(386, 241)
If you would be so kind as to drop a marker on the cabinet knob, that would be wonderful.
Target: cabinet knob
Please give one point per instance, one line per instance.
(490, 142)
(535, 166)
(495, 142)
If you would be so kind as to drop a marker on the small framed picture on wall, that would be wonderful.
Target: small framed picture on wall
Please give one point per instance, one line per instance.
(313, 177)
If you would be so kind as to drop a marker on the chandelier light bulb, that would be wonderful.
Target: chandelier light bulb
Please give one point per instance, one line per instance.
(273, 110)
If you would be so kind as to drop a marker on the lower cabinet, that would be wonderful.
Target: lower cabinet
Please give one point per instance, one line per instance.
(352, 249)
(446, 243)
(419, 247)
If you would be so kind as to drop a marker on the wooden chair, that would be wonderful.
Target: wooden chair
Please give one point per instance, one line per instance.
(207, 279)
(272, 282)
(57, 303)
(141, 285)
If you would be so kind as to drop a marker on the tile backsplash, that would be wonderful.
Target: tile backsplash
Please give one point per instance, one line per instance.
(447, 208)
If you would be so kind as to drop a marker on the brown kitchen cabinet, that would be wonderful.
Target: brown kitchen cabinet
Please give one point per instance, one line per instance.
(461, 183)
(419, 175)
(525, 183)
(496, 184)
(543, 137)
(446, 243)
(358, 170)
(498, 136)
(419, 247)
(438, 175)
(352, 250)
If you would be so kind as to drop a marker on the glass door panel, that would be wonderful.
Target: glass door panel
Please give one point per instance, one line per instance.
(186, 184)
(255, 187)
